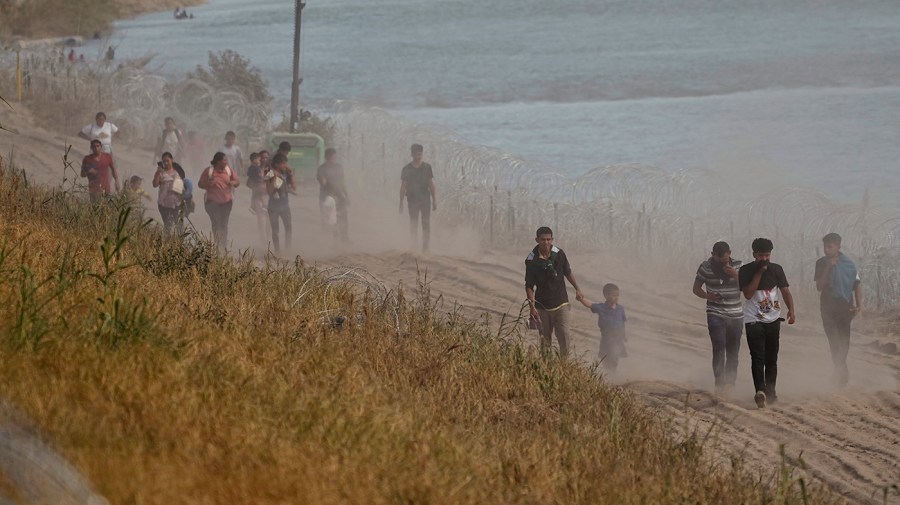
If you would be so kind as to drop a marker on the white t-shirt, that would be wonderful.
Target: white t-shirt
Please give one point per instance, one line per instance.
(234, 155)
(102, 133)
(170, 142)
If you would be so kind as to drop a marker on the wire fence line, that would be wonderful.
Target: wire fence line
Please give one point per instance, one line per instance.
(643, 210)
(675, 215)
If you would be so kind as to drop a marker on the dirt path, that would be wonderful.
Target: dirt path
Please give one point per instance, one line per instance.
(849, 439)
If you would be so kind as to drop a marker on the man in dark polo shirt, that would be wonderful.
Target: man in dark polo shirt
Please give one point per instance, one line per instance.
(417, 186)
(546, 271)
(724, 313)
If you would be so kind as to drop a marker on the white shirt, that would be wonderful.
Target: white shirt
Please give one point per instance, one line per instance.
(102, 133)
(234, 155)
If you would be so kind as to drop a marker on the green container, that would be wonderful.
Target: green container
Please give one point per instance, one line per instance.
(307, 152)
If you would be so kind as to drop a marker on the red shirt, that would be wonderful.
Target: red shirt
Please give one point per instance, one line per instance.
(98, 183)
(218, 184)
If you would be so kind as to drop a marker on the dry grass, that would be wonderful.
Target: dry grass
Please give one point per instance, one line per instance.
(168, 374)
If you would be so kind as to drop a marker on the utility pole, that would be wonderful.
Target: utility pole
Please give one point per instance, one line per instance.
(295, 87)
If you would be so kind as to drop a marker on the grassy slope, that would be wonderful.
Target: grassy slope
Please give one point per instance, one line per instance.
(169, 375)
(59, 18)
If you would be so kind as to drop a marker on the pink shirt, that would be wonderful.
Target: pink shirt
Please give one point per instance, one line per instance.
(218, 184)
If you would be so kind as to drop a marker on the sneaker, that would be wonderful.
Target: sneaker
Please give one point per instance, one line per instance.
(760, 399)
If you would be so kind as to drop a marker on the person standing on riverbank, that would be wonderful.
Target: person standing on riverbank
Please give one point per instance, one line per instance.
(724, 313)
(417, 186)
(841, 300)
(219, 181)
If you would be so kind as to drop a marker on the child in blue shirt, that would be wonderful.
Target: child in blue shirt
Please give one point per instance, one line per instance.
(611, 320)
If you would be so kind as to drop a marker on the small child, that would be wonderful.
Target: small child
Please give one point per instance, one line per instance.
(134, 190)
(611, 320)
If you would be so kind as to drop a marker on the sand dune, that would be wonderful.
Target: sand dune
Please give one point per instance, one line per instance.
(849, 439)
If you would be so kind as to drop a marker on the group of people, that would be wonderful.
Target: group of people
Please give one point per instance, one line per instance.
(754, 297)
(270, 180)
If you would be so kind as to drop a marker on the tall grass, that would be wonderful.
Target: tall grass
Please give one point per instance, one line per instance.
(169, 374)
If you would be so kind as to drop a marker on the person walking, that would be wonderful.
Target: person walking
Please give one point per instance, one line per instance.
(98, 168)
(331, 183)
(837, 279)
(417, 186)
(760, 283)
(724, 313)
(101, 130)
(219, 181)
(171, 141)
(611, 320)
(233, 153)
(546, 271)
(169, 199)
(279, 184)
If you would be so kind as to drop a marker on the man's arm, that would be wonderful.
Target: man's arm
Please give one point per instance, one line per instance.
(584, 301)
(789, 301)
(698, 290)
(578, 294)
(402, 194)
(753, 285)
(529, 295)
(858, 296)
(115, 175)
(433, 194)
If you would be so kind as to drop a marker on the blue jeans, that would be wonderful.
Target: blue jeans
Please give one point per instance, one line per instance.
(725, 335)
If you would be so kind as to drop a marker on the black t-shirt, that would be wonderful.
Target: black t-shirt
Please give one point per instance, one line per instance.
(548, 277)
(417, 180)
(773, 277)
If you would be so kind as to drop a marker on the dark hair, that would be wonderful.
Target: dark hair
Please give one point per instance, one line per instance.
(230, 133)
(278, 158)
(263, 151)
(96, 141)
(100, 114)
(609, 288)
(219, 156)
(720, 248)
(330, 152)
(284, 146)
(417, 148)
(543, 230)
(254, 156)
(762, 245)
(170, 118)
(167, 154)
(832, 238)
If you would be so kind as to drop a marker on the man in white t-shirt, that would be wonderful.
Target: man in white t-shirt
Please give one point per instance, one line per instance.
(101, 130)
(761, 282)
(233, 154)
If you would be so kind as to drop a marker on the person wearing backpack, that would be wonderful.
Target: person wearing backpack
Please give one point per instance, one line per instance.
(219, 181)
(171, 186)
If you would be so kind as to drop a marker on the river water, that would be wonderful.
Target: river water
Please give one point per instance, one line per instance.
(785, 91)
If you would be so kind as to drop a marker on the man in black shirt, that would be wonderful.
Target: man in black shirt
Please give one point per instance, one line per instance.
(417, 186)
(546, 271)
(838, 280)
(760, 282)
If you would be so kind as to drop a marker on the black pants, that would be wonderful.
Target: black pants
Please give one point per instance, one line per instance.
(169, 217)
(415, 210)
(219, 214)
(762, 338)
(836, 318)
(285, 215)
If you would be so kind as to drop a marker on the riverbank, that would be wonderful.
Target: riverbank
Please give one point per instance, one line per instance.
(63, 18)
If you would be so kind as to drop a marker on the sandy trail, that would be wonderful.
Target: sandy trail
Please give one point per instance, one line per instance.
(849, 439)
